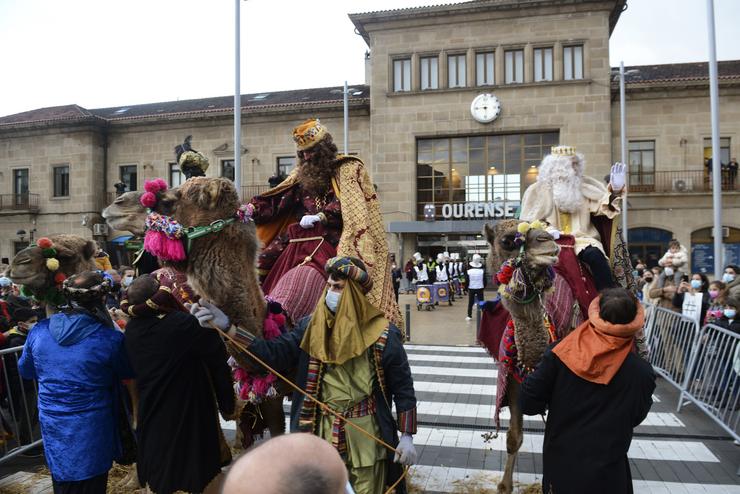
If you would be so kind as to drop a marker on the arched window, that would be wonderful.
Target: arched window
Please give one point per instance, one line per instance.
(702, 249)
(648, 244)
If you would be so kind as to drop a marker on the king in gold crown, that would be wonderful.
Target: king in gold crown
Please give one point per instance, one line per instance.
(308, 134)
(563, 151)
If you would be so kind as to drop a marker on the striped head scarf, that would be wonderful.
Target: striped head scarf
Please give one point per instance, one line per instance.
(349, 267)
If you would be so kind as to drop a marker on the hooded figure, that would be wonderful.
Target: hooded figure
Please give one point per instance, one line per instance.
(78, 360)
(349, 356)
(595, 390)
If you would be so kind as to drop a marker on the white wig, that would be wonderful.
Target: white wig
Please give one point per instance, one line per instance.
(564, 179)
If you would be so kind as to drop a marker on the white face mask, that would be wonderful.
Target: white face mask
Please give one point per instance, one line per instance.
(332, 300)
(669, 271)
(127, 280)
(728, 278)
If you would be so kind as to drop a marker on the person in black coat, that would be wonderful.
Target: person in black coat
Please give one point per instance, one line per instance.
(179, 368)
(344, 332)
(595, 390)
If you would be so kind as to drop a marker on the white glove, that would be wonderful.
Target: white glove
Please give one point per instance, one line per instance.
(207, 314)
(617, 178)
(554, 232)
(405, 451)
(309, 220)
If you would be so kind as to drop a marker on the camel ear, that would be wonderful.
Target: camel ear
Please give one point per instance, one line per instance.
(489, 233)
(89, 250)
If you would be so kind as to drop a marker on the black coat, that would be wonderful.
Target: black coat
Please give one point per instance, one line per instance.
(285, 353)
(179, 367)
(589, 425)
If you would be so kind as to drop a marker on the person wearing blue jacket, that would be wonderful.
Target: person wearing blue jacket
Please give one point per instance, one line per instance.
(78, 359)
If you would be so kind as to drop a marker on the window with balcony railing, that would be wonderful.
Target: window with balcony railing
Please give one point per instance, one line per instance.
(642, 165)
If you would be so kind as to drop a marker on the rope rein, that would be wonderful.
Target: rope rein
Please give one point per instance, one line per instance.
(323, 406)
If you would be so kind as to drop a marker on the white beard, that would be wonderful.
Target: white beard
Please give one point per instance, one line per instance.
(565, 182)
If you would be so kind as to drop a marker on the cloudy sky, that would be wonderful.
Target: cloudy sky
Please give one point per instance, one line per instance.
(99, 53)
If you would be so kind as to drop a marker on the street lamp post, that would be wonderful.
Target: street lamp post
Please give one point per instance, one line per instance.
(623, 143)
(237, 100)
(716, 158)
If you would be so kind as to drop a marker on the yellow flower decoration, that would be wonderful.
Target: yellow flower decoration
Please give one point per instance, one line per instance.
(523, 227)
(538, 225)
(52, 264)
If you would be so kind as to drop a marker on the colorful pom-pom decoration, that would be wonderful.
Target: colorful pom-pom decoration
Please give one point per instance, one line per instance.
(538, 225)
(523, 227)
(148, 200)
(44, 243)
(49, 252)
(52, 264)
(155, 185)
(59, 278)
(245, 213)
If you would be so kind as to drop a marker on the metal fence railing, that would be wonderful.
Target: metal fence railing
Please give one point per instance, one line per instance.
(713, 382)
(19, 429)
(670, 337)
(703, 363)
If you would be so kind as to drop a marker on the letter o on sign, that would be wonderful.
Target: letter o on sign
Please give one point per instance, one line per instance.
(447, 210)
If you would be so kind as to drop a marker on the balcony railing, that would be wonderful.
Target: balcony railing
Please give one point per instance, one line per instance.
(249, 191)
(19, 202)
(680, 182)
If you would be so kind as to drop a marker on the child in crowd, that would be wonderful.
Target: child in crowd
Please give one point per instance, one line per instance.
(673, 260)
(716, 302)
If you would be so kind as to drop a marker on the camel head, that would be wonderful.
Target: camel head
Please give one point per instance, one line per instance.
(540, 252)
(126, 213)
(74, 253)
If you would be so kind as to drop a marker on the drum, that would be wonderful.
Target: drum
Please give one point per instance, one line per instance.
(442, 292)
(424, 294)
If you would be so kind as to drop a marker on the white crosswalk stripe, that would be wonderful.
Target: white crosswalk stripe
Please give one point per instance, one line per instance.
(458, 388)
(453, 371)
(641, 449)
(441, 349)
(452, 359)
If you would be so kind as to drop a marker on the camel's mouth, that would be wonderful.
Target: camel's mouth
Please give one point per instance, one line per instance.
(547, 258)
(124, 221)
(33, 280)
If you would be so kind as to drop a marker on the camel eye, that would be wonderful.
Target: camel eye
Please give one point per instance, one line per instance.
(507, 242)
(24, 261)
(546, 237)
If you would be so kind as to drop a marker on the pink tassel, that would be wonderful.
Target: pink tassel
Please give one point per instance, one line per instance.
(158, 245)
(270, 328)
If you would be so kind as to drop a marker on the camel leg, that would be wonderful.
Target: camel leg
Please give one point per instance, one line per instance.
(272, 411)
(513, 437)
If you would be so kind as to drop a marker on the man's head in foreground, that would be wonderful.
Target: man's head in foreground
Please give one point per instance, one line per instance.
(288, 464)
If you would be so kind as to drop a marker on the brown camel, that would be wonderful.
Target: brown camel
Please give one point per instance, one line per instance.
(126, 213)
(531, 337)
(28, 268)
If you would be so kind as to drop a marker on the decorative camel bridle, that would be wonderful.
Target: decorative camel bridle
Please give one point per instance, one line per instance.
(166, 238)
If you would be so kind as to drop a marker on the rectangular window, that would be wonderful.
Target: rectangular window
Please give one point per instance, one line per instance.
(514, 66)
(724, 150)
(456, 71)
(429, 72)
(642, 165)
(20, 187)
(402, 75)
(128, 176)
(484, 69)
(542, 64)
(61, 181)
(285, 165)
(175, 175)
(573, 62)
(477, 169)
(227, 169)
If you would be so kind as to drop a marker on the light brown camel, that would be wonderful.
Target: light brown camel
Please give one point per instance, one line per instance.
(126, 213)
(28, 268)
(531, 336)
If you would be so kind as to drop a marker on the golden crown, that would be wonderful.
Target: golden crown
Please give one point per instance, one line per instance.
(563, 151)
(308, 133)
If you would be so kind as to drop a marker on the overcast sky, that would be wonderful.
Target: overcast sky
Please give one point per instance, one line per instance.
(100, 53)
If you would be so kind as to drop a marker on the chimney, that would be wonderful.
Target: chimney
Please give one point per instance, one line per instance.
(368, 67)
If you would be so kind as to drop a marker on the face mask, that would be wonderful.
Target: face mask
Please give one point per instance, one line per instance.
(728, 277)
(713, 294)
(332, 300)
(668, 271)
(730, 313)
(127, 280)
(695, 284)
(26, 326)
(635, 273)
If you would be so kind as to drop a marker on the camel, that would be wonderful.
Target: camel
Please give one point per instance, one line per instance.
(537, 255)
(126, 214)
(29, 267)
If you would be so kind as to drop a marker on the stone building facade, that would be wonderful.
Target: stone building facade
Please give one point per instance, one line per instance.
(439, 164)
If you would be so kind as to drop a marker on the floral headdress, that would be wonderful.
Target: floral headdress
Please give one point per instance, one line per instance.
(53, 294)
(514, 283)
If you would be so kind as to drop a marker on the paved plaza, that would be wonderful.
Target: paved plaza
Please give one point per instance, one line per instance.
(455, 383)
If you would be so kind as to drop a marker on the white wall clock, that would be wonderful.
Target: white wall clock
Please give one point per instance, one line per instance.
(485, 108)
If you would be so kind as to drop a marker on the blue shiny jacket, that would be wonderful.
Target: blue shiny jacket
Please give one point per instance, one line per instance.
(78, 363)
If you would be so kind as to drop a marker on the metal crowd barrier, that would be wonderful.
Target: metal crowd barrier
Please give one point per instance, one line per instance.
(19, 429)
(713, 380)
(703, 363)
(671, 338)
